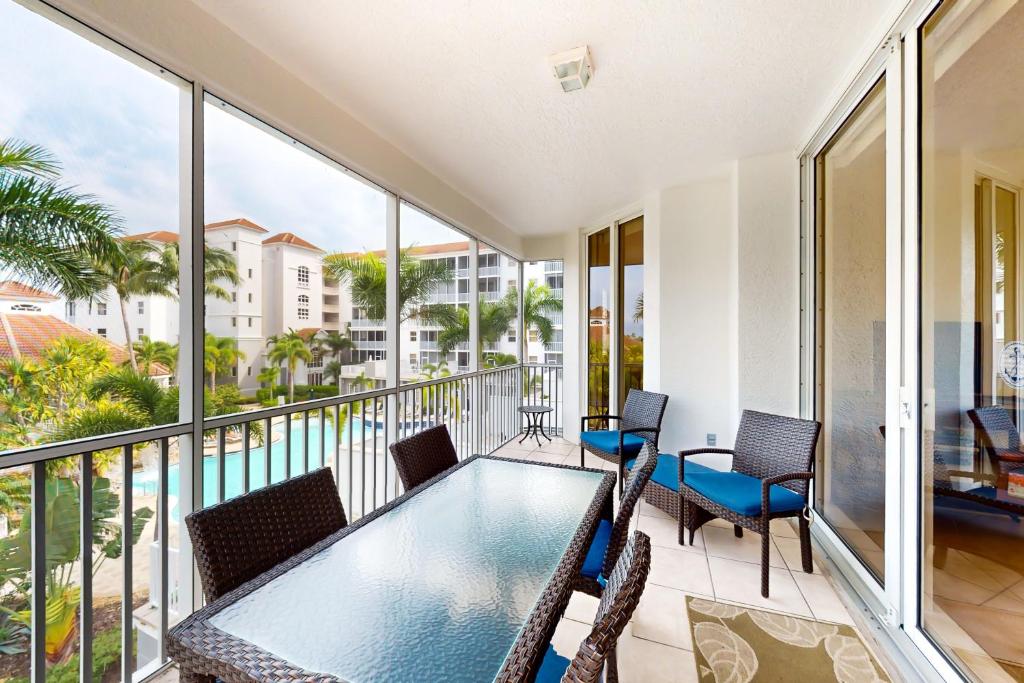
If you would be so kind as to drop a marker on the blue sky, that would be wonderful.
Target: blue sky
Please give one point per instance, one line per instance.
(114, 127)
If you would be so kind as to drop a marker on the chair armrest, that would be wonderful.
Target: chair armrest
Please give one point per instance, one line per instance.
(698, 451)
(635, 430)
(587, 418)
(1011, 456)
(766, 484)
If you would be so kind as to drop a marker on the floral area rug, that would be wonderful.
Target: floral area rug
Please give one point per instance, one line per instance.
(737, 644)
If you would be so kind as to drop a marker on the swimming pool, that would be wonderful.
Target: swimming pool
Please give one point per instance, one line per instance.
(146, 483)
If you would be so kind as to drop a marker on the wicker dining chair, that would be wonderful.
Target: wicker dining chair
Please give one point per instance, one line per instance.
(241, 538)
(596, 654)
(422, 456)
(640, 422)
(773, 461)
(610, 537)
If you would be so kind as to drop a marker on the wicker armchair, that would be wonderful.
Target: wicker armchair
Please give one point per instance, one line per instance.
(773, 460)
(597, 651)
(640, 422)
(999, 438)
(610, 538)
(424, 455)
(241, 538)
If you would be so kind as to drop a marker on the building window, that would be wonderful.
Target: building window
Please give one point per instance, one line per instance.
(234, 371)
(512, 337)
(250, 322)
(248, 371)
(250, 273)
(534, 335)
(303, 276)
(234, 246)
(234, 297)
(141, 332)
(101, 308)
(102, 331)
(142, 307)
(412, 335)
(234, 322)
(304, 305)
(70, 308)
(250, 297)
(26, 307)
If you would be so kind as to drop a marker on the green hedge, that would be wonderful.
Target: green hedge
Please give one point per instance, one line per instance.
(303, 392)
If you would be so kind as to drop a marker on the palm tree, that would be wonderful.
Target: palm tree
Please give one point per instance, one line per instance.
(538, 304)
(495, 317)
(288, 349)
(335, 343)
(148, 352)
(140, 392)
(367, 276)
(50, 235)
(638, 308)
(135, 270)
(269, 374)
(220, 354)
(218, 265)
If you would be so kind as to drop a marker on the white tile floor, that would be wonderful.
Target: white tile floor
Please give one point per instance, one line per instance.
(656, 646)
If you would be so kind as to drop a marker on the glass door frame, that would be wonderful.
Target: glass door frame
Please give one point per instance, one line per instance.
(897, 605)
(884, 601)
(616, 307)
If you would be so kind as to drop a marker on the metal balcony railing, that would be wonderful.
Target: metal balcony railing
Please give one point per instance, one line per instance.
(368, 322)
(164, 475)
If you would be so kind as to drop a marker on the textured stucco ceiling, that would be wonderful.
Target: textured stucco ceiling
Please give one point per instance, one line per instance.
(680, 87)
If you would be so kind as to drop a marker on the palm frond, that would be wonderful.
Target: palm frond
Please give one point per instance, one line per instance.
(21, 157)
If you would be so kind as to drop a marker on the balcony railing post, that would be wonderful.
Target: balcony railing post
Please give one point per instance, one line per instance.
(127, 535)
(85, 568)
(38, 647)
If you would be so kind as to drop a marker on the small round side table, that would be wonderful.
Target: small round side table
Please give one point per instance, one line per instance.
(535, 422)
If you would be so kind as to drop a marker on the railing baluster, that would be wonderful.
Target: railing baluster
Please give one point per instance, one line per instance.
(337, 446)
(268, 445)
(246, 484)
(305, 441)
(351, 505)
(38, 521)
(362, 455)
(127, 650)
(323, 436)
(287, 417)
(374, 432)
(163, 529)
(85, 555)
(221, 464)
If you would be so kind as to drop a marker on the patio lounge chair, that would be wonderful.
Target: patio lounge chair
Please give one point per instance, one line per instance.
(611, 537)
(423, 456)
(773, 462)
(241, 538)
(597, 651)
(640, 421)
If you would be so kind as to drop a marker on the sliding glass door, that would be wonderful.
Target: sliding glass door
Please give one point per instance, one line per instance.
(850, 189)
(972, 347)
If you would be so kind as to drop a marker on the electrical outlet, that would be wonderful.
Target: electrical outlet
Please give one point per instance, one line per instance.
(712, 439)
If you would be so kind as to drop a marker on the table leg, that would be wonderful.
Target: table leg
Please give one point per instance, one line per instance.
(542, 428)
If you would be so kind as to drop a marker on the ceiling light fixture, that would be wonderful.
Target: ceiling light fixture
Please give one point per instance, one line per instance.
(573, 68)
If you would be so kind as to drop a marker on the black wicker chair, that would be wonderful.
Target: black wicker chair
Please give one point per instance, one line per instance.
(241, 538)
(640, 421)
(773, 461)
(596, 655)
(423, 456)
(611, 537)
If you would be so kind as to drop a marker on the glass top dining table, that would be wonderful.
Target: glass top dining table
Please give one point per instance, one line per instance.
(439, 587)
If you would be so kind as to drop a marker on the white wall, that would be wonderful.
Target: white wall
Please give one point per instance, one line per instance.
(768, 261)
(695, 241)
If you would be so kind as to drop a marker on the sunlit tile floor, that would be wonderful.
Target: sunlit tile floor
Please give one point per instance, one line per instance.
(656, 646)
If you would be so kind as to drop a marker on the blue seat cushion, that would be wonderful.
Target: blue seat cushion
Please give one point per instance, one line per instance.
(598, 547)
(666, 473)
(741, 493)
(552, 668)
(607, 441)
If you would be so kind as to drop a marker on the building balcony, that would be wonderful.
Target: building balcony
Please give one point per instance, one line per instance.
(367, 323)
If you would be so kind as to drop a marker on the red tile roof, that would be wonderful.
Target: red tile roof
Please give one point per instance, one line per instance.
(233, 222)
(26, 335)
(292, 239)
(165, 236)
(19, 290)
(422, 250)
(307, 333)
